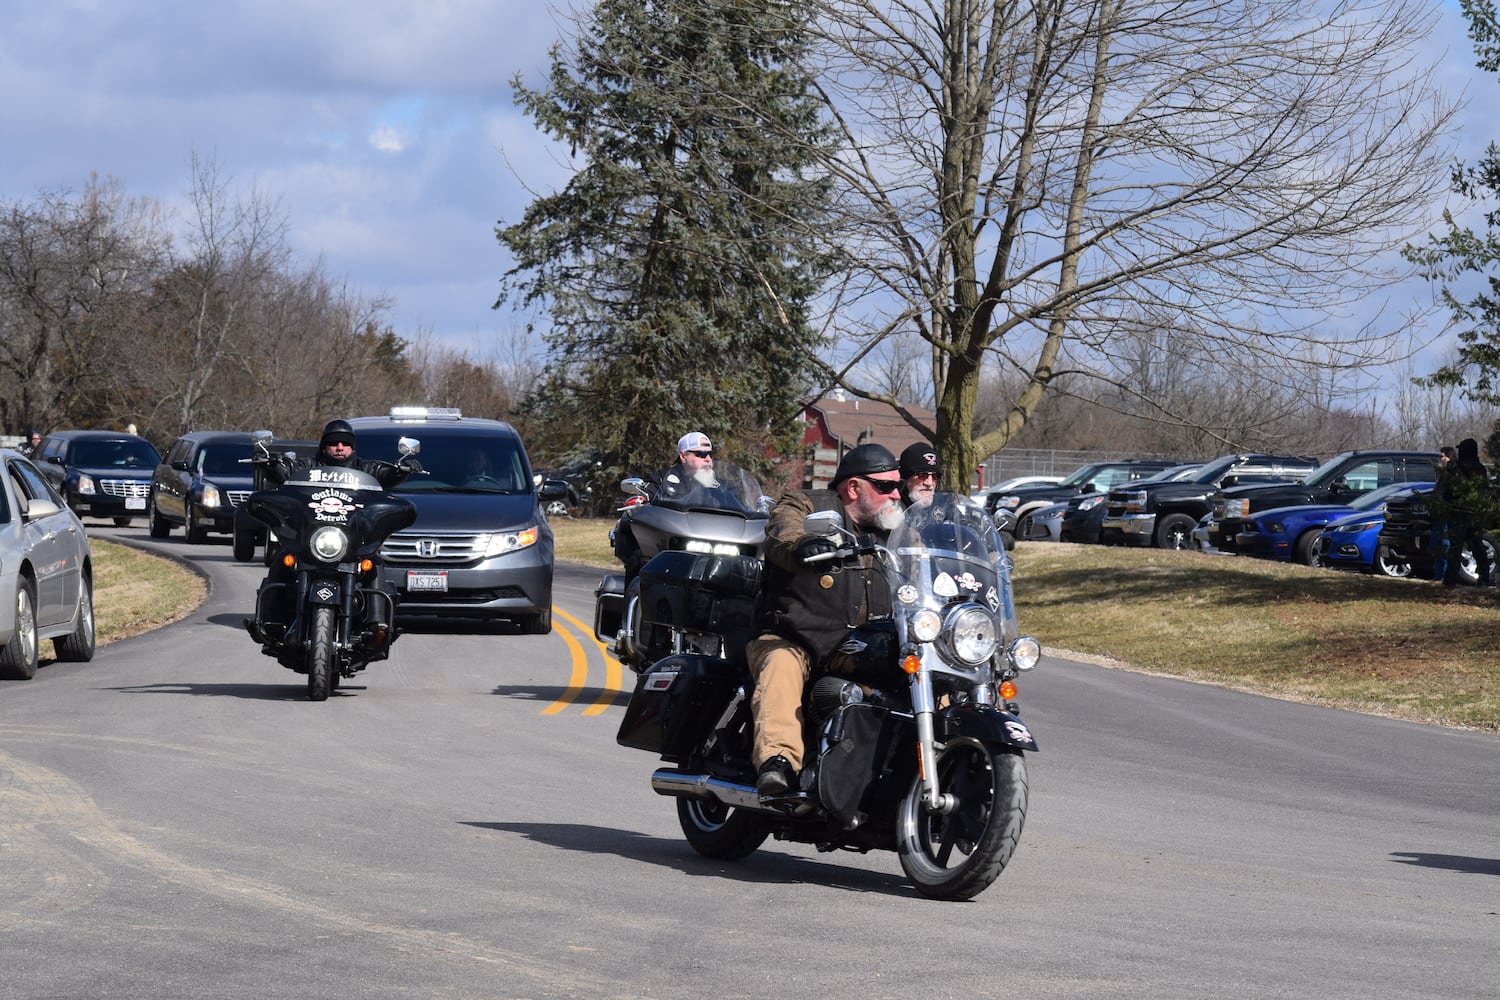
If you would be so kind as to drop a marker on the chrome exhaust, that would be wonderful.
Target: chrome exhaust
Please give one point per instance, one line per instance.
(689, 785)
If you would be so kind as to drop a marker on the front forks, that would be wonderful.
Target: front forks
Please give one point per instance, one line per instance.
(924, 709)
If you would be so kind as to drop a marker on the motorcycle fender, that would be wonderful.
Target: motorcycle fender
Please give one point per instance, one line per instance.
(985, 723)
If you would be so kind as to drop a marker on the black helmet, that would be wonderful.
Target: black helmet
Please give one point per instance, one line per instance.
(336, 430)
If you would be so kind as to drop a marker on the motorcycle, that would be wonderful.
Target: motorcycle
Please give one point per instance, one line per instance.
(328, 524)
(723, 513)
(913, 734)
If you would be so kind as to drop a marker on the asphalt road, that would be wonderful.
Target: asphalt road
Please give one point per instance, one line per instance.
(178, 821)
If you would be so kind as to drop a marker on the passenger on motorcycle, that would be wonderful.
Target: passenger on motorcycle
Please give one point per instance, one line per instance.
(808, 605)
(919, 474)
(336, 449)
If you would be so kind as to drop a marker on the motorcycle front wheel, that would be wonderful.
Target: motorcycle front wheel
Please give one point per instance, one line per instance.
(320, 656)
(718, 831)
(956, 855)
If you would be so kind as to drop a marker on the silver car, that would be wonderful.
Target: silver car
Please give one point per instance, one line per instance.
(46, 572)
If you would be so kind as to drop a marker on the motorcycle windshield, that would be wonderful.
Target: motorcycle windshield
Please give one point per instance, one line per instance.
(726, 487)
(948, 552)
(330, 475)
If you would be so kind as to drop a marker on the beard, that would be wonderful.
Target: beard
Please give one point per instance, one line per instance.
(705, 477)
(889, 517)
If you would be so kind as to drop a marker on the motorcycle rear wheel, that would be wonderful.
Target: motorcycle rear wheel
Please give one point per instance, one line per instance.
(320, 656)
(957, 855)
(718, 831)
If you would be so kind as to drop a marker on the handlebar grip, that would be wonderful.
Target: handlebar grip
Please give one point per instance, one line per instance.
(826, 556)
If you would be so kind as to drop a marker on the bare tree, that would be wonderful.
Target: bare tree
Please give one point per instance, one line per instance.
(1024, 184)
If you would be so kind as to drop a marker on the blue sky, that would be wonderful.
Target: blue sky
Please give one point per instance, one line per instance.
(386, 129)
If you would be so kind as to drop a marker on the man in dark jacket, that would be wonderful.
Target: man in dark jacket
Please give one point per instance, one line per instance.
(808, 605)
(919, 473)
(1465, 481)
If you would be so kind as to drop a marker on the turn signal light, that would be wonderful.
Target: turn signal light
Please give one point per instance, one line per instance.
(365, 565)
(288, 560)
(1007, 690)
(911, 663)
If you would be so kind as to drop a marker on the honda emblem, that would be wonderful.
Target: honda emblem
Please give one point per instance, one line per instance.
(427, 548)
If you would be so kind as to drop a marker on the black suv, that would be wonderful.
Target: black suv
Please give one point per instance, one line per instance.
(99, 473)
(198, 486)
(1097, 477)
(1336, 481)
(1407, 545)
(1164, 514)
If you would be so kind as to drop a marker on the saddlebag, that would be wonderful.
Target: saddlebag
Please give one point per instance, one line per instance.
(866, 759)
(609, 606)
(701, 593)
(676, 703)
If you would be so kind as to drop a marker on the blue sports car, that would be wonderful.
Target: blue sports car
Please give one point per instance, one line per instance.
(1288, 533)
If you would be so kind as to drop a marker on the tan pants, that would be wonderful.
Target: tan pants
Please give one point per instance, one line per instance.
(780, 668)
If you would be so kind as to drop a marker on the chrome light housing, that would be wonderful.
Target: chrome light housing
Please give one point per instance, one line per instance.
(926, 625)
(1092, 502)
(499, 543)
(1024, 653)
(209, 496)
(971, 634)
(329, 543)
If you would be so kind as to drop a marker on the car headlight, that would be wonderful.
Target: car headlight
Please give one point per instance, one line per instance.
(1135, 501)
(1048, 515)
(209, 496)
(1091, 503)
(1009, 503)
(1354, 529)
(1236, 508)
(1024, 653)
(971, 634)
(86, 484)
(1274, 527)
(926, 625)
(329, 543)
(502, 542)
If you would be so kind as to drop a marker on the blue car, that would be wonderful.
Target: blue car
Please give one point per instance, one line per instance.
(1353, 542)
(1290, 533)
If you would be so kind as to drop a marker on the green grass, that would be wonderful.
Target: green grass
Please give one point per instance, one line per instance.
(1403, 648)
(136, 591)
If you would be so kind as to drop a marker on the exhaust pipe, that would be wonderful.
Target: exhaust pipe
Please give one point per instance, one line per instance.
(690, 785)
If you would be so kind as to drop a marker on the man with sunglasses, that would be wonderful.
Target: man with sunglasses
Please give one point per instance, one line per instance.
(807, 608)
(695, 465)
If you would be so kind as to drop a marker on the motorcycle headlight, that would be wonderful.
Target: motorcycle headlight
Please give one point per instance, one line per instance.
(329, 543)
(926, 626)
(1024, 653)
(971, 633)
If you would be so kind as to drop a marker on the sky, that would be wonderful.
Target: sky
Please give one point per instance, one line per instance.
(386, 130)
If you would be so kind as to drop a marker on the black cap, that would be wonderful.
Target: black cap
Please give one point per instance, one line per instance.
(863, 461)
(919, 457)
(337, 430)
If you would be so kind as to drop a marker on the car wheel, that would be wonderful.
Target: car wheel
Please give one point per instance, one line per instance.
(157, 525)
(1387, 563)
(1303, 550)
(123, 522)
(1175, 532)
(244, 543)
(556, 508)
(197, 534)
(537, 624)
(18, 657)
(78, 645)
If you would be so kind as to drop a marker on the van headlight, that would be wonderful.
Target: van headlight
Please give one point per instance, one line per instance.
(329, 543)
(970, 634)
(499, 543)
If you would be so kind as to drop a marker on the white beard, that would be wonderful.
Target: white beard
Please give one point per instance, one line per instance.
(890, 517)
(705, 477)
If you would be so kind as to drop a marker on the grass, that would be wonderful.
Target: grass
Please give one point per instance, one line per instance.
(136, 591)
(1407, 649)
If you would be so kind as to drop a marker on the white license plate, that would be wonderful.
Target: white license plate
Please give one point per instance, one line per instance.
(135, 503)
(417, 580)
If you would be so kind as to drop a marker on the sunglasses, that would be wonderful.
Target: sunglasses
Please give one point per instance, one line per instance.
(882, 485)
(702, 454)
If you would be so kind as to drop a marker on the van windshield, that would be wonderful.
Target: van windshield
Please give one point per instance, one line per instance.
(468, 463)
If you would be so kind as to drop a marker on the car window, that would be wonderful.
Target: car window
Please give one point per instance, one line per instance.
(467, 462)
(28, 484)
(5, 512)
(119, 454)
(179, 452)
(223, 459)
(1369, 475)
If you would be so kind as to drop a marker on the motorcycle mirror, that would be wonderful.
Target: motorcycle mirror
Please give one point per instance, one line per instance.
(408, 446)
(633, 487)
(823, 522)
(261, 441)
(1004, 519)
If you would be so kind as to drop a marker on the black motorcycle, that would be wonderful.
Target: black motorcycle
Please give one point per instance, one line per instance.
(914, 741)
(332, 614)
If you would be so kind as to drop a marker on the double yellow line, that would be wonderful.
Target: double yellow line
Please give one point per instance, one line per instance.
(579, 652)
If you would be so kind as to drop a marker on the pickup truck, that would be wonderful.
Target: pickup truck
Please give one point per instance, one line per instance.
(1336, 481)
(1164, 514)
(1096, 477)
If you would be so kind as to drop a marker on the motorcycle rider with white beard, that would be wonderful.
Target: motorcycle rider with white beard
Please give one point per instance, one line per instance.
(808, 606)
(694, 467)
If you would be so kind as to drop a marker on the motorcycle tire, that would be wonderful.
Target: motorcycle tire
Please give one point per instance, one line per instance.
(320, 666)
(957, 855)
(718, 831)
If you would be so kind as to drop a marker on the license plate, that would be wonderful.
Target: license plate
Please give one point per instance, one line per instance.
(135, 503)
(417, 580)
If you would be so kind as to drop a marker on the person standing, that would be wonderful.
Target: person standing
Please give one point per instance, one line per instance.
(1465, 485)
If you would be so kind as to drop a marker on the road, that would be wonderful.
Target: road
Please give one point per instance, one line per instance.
(178, 821)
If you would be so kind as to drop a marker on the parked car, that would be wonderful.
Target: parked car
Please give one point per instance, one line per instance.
(481, 546)
(1407, 539)
(1096, 477)
(246, 534)
(99, 473)
(1289, 533)
(204, 478)
(1044, 524)
(1165, 513)
(46, 572)
(1353, 542)
(1085, 516)
(1337, 481)
(983, 497)
(1200, 536)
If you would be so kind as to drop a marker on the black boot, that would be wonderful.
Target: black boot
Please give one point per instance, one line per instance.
(776, 778)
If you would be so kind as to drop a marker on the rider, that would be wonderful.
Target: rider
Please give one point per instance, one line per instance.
(694, 467)
(807, 608)
(335, 449)
(919, 474)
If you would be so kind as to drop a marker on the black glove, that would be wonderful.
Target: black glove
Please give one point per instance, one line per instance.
(412, 465)
(815, 545)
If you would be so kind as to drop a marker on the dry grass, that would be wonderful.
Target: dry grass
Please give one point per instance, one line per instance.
(1404, 648)
(136, 591)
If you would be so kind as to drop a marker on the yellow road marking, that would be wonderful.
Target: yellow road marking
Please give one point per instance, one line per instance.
(612, 672)
(579, 674)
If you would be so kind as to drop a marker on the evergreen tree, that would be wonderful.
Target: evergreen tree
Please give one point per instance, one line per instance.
(675, 262)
